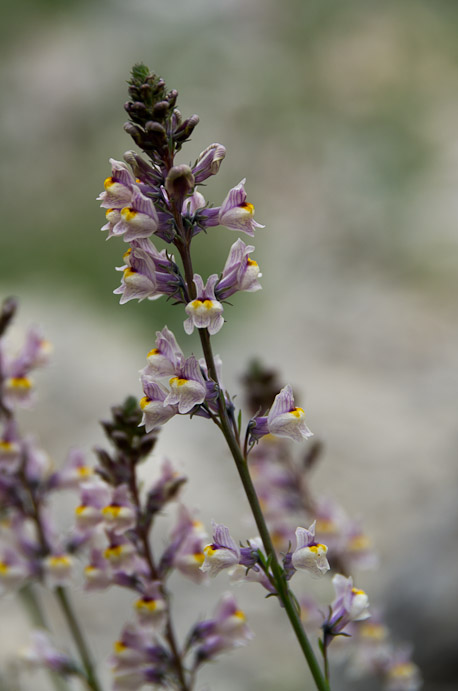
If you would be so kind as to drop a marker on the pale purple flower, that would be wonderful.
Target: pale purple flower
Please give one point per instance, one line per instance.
(97, 573)
(155, 411)
(34, 353)
(350, 604)
(205, 311)
(120, 553)
(208, 162)
(309, 555)
(120, 514)
(138, 220)
(17, 390)
(10, 448)
(239, 273)
(75, 471)
(14, 569)
(285, 419)
(138, 659)
(95, 494)
(59, 568)
(118, 187)
(236, 213)
(227, 630)
(164, 359)
(186, 546)
(147, 273)
(222, 553)
(151, 607)
(187, 387)
(401, 674)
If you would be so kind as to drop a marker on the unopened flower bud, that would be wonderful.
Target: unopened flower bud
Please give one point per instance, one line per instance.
(179, 182)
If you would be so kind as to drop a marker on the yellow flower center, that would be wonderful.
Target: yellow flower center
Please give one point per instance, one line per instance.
(144, 604)
(359, 543)
(84, 470)
(128, 213)
(246, 206)
(318, 548)
(23, 383)
(251, 262)
(297, 412)
(176, 381)
(144, 402)
(402, 671)
(113, 552)
(372, 631)
(57, 562)
(112, 510)
(199, 558)
(197, 304)
(325, 525)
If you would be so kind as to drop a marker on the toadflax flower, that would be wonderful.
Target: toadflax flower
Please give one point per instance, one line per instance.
(205, 311)
(239, 273)
(187, 387)
(148, 273)
(235, 212)
(227, 630)
(350, 604)
(309, 555)
(209, 162)
(283, 420)
(163, 360)
(138, 220)
(222, 553)
(118, 187)
(155, 412)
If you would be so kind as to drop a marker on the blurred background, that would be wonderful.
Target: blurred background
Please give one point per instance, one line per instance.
(343, 118)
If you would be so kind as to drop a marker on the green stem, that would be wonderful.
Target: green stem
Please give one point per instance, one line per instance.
(277, 571)
(33, 607)
(73, 625)
(183, 247)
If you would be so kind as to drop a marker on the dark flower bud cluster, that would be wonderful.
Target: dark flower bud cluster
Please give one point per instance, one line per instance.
(155, 125)
(132, 444)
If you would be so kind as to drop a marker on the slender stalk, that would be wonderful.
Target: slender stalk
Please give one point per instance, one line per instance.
(147, 553)
(33, 607)
(242, 468)
(75, 630)
(64, 601)
(280, 582)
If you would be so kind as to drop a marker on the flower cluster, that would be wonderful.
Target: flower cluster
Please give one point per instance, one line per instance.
(157, 199)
